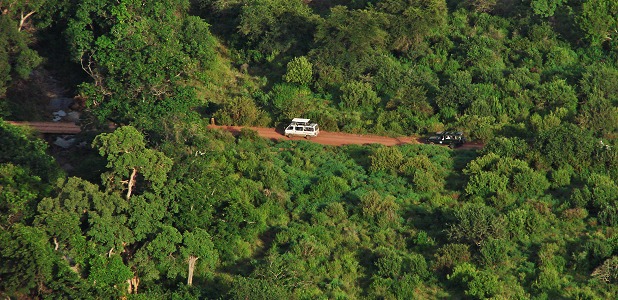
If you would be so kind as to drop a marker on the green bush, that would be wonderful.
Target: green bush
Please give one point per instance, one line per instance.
(387, 159)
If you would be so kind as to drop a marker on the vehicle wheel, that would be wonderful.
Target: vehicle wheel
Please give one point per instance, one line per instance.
(452, 146)
(306, 136)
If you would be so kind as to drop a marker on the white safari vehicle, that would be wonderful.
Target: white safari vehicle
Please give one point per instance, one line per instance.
(302, 127)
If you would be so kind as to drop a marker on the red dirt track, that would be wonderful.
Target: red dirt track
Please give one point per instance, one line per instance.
(338, 138)
(324, 138)
(50, 127)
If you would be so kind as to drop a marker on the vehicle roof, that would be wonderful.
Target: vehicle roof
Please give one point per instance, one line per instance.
(299, 120)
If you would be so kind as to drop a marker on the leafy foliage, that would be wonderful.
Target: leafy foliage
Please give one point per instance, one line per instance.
(183, 211)
(139, 58)
(17, 59)
(299, 70)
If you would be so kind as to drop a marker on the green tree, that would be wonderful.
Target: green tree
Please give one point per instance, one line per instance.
(600, 79)
(140, 58)
(27, 259)
(276, 26)
(498, 179)
(384, 210)
(291, 101)
(451, 255)
(349, 40)
(22, 11)
(598, 20)
(121, 243)
(198, 244)
(479, 284)
(17, 59)
(425, 175)
(598, 110)
(300, 71)
(485, 6)
(127, 156)
(599, 192)
(107, 273)
(27, 173)
(156, 258)
(546, 8)
(551, 265)
(455, 95)
(255, 288)
(566, 144)
(81, 214)
(475, 223)
(241, 111)
(358, 96)
(18, 192)
(507, 147)
(599, 115)
(411, 21)
(556, 94)
(386, 159)
(478, 127)
(495, 252)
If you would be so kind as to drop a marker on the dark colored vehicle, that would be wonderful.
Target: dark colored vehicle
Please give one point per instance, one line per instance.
(451, 138)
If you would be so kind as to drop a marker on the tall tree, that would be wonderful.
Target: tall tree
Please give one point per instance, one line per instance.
(350, 39)
(599, 110)
(27, 173)
(27, 259)
(127, 156)
(411, 21)
(599, 20)
(276, 26)
(198, 244)
(17, 59)
(545, 8)
(81, 210)
(567, 145)
(140, 56)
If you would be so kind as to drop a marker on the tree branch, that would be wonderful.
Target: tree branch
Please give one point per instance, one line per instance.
(131, 183)
(23, 19)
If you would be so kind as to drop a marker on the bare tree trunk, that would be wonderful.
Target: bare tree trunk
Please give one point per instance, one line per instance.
(23, 19)
(192, 260)
(131, 183)
(133, 284)
(135, 281)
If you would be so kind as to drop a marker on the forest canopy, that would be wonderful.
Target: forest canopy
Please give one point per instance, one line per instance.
(164, 207)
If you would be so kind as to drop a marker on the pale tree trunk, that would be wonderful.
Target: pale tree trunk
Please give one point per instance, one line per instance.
(133, 284)
(23, 18)
(131, 183)
(192, 260)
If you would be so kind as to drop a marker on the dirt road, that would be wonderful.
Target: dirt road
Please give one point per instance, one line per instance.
(50, 127)
(324, 138)
(337, 138)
